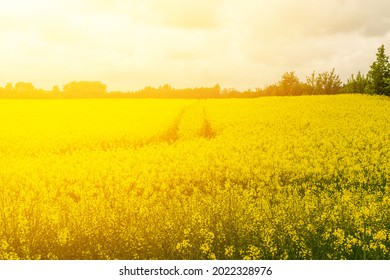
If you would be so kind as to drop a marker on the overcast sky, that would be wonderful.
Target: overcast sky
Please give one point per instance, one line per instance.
(130, 44)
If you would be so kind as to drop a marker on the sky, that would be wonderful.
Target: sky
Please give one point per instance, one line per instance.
(130, 44)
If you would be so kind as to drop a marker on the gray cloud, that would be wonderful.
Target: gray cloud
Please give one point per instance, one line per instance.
(242, 44)
(307, 35)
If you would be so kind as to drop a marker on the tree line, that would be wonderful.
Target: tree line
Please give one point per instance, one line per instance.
(376, 81)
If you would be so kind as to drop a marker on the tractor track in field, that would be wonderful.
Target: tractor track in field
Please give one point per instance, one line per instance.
(171, 135)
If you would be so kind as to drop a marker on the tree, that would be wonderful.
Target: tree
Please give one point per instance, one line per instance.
(290, 84)
(329, 82)
(324, 83)
(356, 84)
(215, 91)
(9, 87)
(24, 87)
(311, 82)
(24, 90)
(379, 74)
(56, 90)
(84, 89)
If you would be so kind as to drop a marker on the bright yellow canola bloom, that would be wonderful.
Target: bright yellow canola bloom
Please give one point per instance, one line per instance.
(268, 178)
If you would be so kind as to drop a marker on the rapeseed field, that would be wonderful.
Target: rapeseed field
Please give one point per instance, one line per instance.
(268, 178)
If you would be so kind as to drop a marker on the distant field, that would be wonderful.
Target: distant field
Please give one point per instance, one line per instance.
(268, 178)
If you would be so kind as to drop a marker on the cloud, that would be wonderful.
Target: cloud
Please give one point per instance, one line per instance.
(133, 43)
(306, 35)
(187, 14)
(281, 18)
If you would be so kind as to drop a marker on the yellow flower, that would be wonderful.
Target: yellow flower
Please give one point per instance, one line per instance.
(229, 251)
(380, 235)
